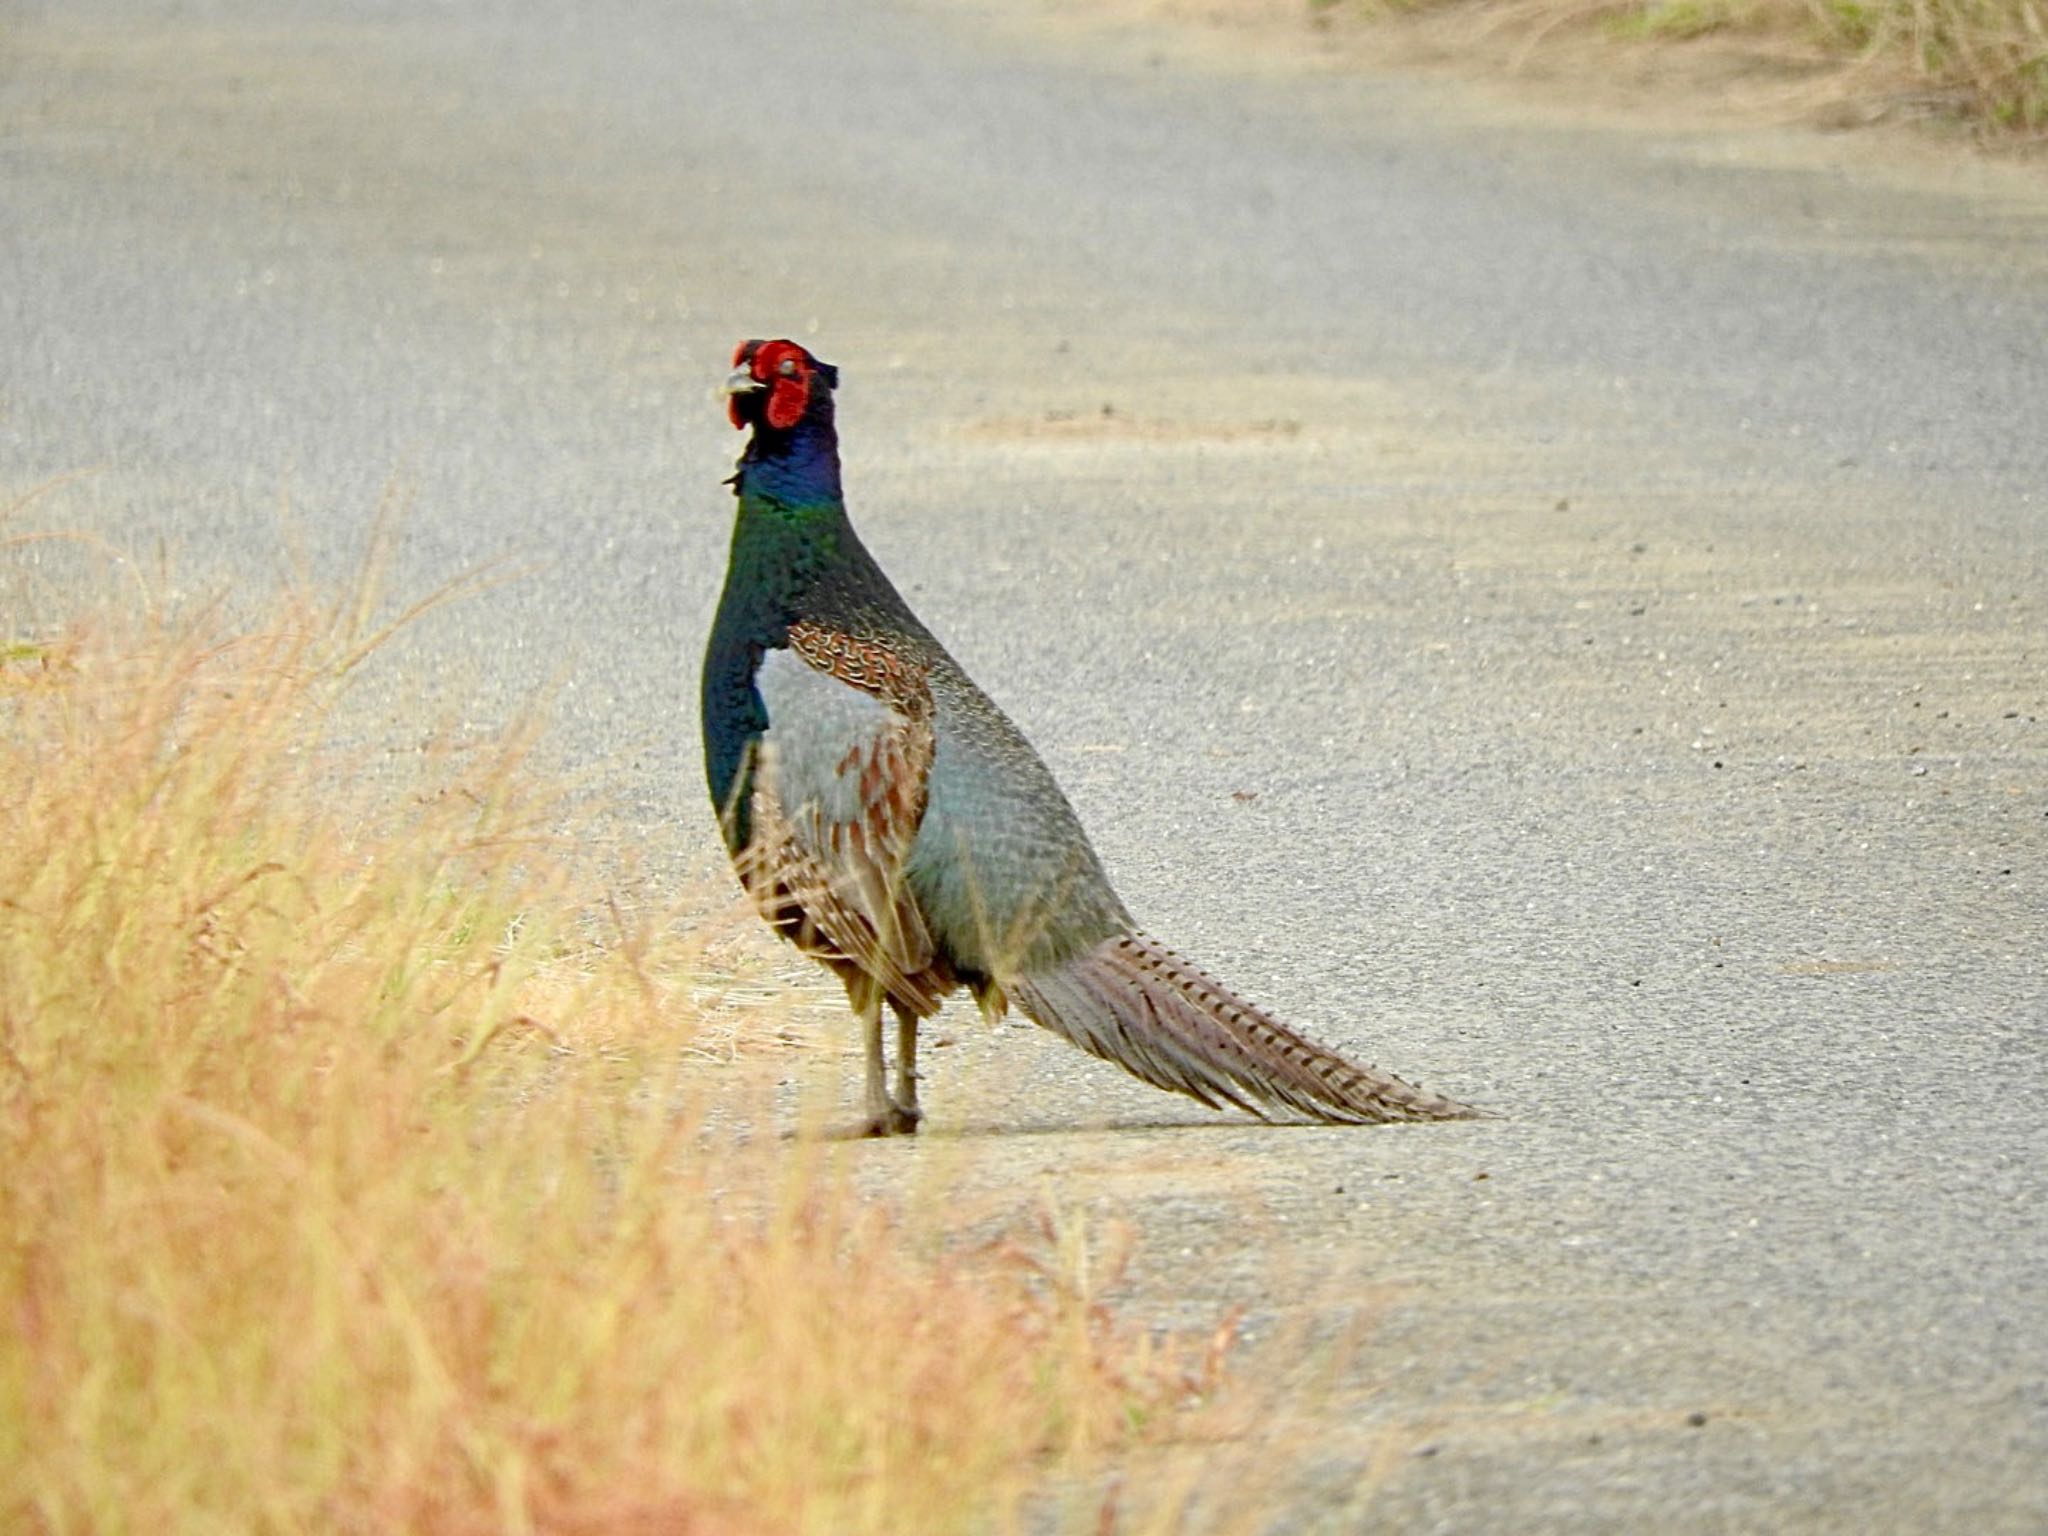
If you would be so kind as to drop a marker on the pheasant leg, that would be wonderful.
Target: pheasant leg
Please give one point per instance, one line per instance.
(906, 1064)
(885, 1117)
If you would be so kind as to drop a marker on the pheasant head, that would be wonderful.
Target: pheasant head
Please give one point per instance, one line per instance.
(777, 384)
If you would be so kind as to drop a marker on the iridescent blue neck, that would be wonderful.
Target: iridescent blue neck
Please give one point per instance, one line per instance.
(797, 467)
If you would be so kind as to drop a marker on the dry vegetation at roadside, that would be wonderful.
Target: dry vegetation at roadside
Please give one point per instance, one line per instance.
(352, 1184)
(1981, 63)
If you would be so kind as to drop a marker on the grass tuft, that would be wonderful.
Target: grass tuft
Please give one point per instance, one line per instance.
(1980, 62)
(353, 1183)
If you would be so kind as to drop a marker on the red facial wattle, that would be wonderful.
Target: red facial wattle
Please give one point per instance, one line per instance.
(787, 397)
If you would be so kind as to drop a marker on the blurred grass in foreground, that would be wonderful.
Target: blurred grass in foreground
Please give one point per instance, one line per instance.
(351, 1184)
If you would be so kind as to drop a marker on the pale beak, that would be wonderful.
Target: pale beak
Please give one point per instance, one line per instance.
(743, 382)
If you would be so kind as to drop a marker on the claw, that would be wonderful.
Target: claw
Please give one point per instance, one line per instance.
(895, 1121)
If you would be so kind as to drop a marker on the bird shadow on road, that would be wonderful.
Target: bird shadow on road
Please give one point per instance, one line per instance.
(1100, 1127)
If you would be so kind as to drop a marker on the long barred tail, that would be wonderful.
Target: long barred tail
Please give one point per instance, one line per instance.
(1135, 1002)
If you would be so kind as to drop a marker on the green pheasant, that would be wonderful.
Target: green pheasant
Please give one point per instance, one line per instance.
(892, 823)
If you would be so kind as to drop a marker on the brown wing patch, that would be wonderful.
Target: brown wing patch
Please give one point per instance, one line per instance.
(834, 886)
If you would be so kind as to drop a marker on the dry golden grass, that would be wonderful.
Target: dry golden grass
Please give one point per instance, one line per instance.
(1983, 63)
(1977, 62)
(352, 1183)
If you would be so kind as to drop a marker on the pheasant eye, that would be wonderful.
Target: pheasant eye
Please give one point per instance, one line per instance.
(787, 368)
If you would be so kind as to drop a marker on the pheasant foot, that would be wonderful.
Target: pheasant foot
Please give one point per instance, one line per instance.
(893, 1121)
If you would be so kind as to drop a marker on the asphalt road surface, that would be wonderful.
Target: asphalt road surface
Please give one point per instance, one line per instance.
(1560, 613)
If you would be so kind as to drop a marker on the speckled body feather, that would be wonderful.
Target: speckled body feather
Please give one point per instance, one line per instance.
(894, 824)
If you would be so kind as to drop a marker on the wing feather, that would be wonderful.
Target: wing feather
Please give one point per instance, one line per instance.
(838, 792)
